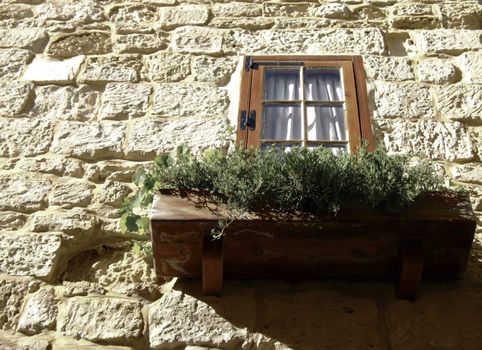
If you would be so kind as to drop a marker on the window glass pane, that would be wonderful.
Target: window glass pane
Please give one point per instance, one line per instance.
(281, 122)
(282, 84)
(323, 84)
(325, 123)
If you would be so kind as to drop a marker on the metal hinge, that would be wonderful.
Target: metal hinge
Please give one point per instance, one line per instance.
(252, 120)
(244, 120)
(248, 63)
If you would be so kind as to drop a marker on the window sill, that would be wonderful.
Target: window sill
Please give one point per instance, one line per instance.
(430, 241)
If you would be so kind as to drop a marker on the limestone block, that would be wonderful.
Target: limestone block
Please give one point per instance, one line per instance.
(166, 67)
(111, 69)
(333, 11)
(15, 12)
(39, 312)
(16, 258)
(471, 173)
(171, 17)
(414, 22)
(411, 9)
(139, 43)
(460, 15)
(471, 67)
(252, 23)
(447, 41)
(369, 12)
(28, 38)
(89, 43)
(317, 42)
(133, 28)
(14, 98)
(460, 102)
(73, 222)
(179, 319)
(151, 137)
(12, 294)
(84, 11)
(188, 100)
(124, 101)
(210, 69)
(9, 341)
(285, 9)
(432, 139)
(133, 13)
(424, 324)
(112, 170)
(89, 140)
(402, 100)
(82, 288)
(323, 317)
(72, 194)
(197, 40)
(113, 193)
(23, 193)
(237, 9)
(101, 319)
(436, 71)
(13, 62)
(71, 103)
(388, 68)
(10, 220)
(34, 139)
(55, 165)
(52, 71)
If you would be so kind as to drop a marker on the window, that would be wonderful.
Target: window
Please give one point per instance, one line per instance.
(304, 101)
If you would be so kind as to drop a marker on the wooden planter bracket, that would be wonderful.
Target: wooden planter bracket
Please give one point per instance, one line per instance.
(212, 265)
(410, 269)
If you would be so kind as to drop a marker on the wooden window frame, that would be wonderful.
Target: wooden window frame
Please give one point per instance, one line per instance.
(356, 97)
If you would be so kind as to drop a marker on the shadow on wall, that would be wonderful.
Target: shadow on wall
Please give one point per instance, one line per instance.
(306, 315)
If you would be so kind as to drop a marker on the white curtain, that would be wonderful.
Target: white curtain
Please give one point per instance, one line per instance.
(284, 123)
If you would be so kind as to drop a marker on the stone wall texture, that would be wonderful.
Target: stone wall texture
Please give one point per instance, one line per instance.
(90, 90)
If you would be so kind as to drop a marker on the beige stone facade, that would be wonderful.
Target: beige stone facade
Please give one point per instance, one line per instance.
(90, 90)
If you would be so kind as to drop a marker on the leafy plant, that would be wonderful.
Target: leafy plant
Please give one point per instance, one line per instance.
(302, 180)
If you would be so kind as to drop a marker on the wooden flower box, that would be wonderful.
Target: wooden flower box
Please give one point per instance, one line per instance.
(431, 240)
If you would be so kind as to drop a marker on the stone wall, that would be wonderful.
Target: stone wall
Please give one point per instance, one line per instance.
(93, 89)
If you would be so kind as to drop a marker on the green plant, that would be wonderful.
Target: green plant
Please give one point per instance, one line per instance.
(302, 180)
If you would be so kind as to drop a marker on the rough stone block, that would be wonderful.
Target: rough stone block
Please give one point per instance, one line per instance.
(81, 12)
(188, 100)
(171, 17)
(414, 22)
(39, 313)
(237, 9)
(82, 288)
(434, 140)
(133, 28)
(113, 193)
(59, 166)
(411, 9)
(140, 43)
(447, 41)
(10, 220)
(15, 12)
(471, 67)
(71, 103)
(471, 173)
(14, 98)
(16, 258)
(124, 101)
(333, 11)
(402, 101)
(458, 15)
(111, 69)
(23, 193)
(9, 341)
(285, 9)
(102, 319)
(436, 71)
(73, 222)
(133, 13)
(210, 69)
(460, 102)
(13, 62)
(89, 43)
(51, 71)
(12, 294)
(34, 139)
(72, 194)
(89, 140)
(174, 321)
(197, 40)
(166, 67)
(388, 68)
(29, 38)
(151, 137)
(251, 23)
(369, 12)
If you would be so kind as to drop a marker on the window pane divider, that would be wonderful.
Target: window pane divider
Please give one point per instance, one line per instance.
(304, 120)
(287, 102)
(326, 103)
